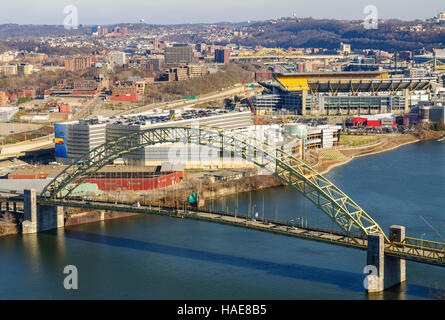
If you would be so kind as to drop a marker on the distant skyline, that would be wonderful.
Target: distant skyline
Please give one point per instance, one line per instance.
(102, 12)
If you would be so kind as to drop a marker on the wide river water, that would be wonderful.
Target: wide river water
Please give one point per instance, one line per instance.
(151, 257)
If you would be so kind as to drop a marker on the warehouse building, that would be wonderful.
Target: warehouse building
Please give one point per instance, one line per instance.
(387, 120)
(111, 178)
(75, 139)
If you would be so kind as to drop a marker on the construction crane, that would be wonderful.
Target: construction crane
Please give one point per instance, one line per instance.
(252, 107)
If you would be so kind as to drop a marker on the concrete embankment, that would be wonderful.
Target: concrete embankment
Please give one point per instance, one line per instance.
(11, 150)
(8, 229)
(93, 216)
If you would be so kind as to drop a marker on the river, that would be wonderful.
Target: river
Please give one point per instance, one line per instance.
(150, 257)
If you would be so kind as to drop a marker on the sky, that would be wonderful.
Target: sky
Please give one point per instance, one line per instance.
(91, 12)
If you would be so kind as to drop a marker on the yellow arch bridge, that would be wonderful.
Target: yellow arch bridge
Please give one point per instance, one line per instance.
(355, 224)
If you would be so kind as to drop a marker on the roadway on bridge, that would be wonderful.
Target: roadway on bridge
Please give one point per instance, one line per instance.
(428, 252)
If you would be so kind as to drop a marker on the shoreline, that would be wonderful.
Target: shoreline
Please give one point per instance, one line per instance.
(254, 182)
(366, 154)
(386, 144)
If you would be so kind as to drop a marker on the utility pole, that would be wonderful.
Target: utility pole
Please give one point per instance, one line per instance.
(276, 211)
(435, 61)
(263, 206)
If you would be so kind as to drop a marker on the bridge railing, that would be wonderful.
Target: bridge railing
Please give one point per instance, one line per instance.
(422, 249)
(433, 245)
(323, 193)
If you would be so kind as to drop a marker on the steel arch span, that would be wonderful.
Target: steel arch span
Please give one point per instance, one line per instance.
(295, 173)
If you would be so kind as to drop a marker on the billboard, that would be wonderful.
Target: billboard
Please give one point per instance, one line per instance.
(61, 135)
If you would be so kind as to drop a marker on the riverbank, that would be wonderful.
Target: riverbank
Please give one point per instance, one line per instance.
(75, 217)
(7, 229)
(325, 160)
(321, 160)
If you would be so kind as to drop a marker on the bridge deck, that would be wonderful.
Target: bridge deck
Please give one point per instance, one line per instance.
(409, 250)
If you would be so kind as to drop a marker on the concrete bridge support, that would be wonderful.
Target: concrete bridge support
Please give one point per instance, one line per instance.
(384, 271)
(395, 269)
(40, 218)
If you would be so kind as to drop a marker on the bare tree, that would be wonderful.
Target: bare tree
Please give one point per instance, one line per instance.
(7, 218)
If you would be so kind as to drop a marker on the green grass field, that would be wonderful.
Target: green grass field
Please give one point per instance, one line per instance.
(354, 141)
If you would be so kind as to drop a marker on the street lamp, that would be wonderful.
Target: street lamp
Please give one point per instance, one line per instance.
(295, 220)
(421, 243)
(300, 218)
(252, 210)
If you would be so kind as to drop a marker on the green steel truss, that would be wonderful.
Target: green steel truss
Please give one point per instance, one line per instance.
(295, 173)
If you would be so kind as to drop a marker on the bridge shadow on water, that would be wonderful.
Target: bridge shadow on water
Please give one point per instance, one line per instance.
(342, 279)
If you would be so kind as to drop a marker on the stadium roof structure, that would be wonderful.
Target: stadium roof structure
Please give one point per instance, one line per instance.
(349, 82)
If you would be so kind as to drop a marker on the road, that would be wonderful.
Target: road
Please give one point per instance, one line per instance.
(16, 149)
(93, 107)
(230, 92)
(90, 108)
(415, 250)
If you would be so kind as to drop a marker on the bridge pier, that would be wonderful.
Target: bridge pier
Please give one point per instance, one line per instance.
(385, 272)
(395, 270)
(40, 218)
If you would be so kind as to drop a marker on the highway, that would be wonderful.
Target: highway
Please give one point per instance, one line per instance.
(182, 103)
(17, 149)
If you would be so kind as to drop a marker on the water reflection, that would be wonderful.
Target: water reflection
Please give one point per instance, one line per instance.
(341, 279)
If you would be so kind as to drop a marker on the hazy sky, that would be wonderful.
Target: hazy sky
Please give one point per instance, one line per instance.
(193, 11)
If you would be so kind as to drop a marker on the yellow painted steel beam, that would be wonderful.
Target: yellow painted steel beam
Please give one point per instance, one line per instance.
(340, 208)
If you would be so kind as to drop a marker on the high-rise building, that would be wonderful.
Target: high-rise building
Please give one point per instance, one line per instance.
(222, 55)
(263, 75)
(177, 74)
(119, 58)
(155, 63)
(178, 54)
(85, 136)
(25, 69)
(196, 70)
(8, 69)
(77, 64)
(155, 43)
(345, 48)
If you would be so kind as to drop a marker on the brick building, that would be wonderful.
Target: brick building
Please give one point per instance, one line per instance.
(76, 64)
(222, 55)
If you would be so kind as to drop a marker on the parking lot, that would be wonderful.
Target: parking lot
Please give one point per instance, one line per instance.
(7, 129)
